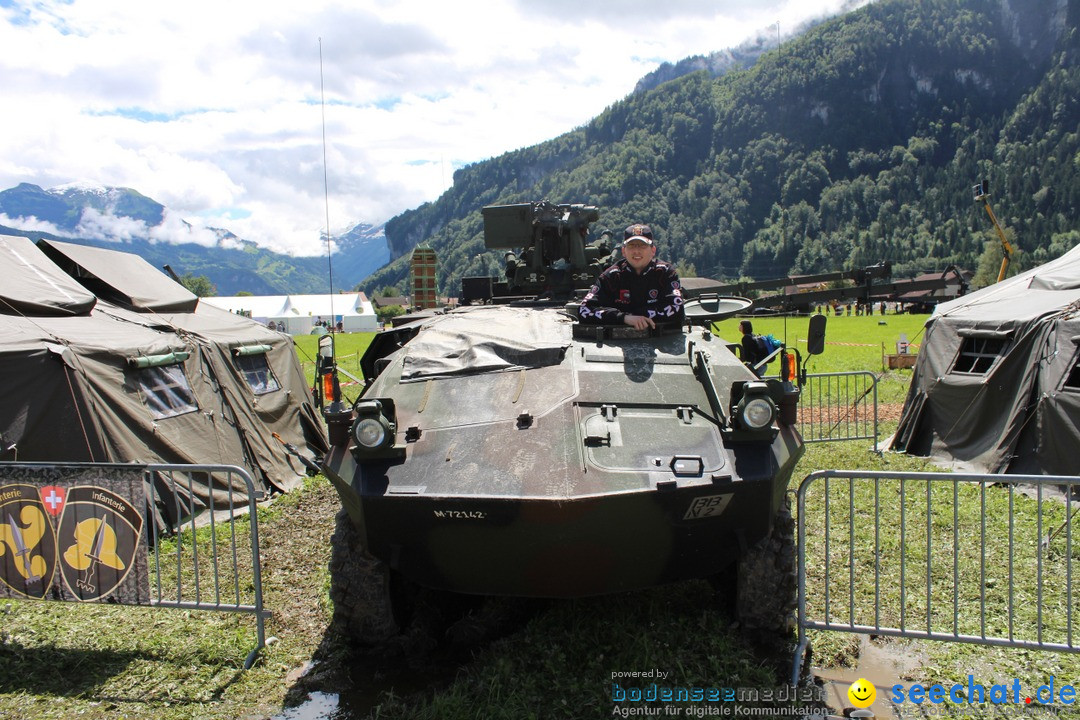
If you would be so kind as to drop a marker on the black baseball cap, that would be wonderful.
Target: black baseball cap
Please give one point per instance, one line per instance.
(642, 233)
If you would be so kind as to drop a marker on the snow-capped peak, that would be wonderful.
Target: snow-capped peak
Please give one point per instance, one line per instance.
(85, 186)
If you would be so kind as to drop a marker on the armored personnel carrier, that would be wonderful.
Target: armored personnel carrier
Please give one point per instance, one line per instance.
(509, 449)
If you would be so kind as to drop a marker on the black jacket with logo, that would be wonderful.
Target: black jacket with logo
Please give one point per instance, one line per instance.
(619, 291)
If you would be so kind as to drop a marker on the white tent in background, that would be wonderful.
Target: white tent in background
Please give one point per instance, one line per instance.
(351, 309)
(297, 314)
(288, 319)
(259, 308)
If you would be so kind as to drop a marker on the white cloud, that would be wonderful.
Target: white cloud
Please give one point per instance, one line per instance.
(214, 110)
(109, 227)
(175, 229)
(172, 229)
(31, 224)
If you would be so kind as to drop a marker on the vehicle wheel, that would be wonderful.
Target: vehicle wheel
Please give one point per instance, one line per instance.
(767, 587)
(367, 609)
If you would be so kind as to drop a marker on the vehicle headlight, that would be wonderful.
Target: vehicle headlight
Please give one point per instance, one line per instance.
(756, 409)
(372, 430)
(370, 433)
(758, 413)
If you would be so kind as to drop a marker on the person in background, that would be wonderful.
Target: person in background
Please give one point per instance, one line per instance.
(751, 352)
(638, 290)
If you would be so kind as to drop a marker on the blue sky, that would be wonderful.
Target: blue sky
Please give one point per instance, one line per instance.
(215, 108)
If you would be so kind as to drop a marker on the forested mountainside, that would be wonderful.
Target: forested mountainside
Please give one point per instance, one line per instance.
(856, 142)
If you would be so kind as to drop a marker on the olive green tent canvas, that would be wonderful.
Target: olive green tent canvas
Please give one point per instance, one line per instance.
(86, 379)
(996, 387)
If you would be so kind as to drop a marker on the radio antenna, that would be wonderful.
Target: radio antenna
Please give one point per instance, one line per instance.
(326, 190)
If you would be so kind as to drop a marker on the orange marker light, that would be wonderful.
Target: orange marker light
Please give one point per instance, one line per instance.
(791, 368)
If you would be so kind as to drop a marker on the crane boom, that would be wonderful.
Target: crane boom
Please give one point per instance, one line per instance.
(982, 192)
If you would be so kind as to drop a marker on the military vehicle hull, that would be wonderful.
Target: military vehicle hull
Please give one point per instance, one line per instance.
(509, 449)
(534, 456)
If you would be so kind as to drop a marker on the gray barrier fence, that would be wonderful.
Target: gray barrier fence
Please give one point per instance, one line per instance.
(839, 406)
(106, 542)
(212, 568)
(984, 559)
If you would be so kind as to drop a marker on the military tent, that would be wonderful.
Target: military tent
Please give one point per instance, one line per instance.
(105, 359)
(996, 387)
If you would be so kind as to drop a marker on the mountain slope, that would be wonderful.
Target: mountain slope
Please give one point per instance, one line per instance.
(123, 219)
(743, 56)
(853, 143)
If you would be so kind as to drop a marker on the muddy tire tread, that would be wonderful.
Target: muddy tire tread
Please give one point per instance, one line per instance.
(359, 588)
(767, 584)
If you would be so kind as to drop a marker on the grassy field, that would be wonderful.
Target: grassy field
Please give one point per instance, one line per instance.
(852, 343)
(349, 348)
(59, 661)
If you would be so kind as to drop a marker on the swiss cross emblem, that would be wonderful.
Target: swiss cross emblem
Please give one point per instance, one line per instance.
(53, 499)
(624, 296)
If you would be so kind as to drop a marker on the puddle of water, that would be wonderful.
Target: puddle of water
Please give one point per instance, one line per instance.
(882, 666)
(319, 706)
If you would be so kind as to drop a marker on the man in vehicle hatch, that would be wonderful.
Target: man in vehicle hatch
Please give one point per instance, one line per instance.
(639, 290)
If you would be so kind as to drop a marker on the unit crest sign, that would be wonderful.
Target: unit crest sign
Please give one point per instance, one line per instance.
(73, 534)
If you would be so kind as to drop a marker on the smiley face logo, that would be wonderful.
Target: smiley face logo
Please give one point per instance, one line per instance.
(862, 693)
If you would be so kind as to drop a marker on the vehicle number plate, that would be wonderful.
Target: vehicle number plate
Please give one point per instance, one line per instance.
(707, 506)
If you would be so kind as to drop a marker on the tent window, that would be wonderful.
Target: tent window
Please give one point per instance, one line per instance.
(1073, 381)
(978, 354)
(257, 372)
(166, 392)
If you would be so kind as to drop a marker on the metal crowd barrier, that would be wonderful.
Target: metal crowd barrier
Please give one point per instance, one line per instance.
(985, 559)
(839, 406)
(215, 578)
(90, 532)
